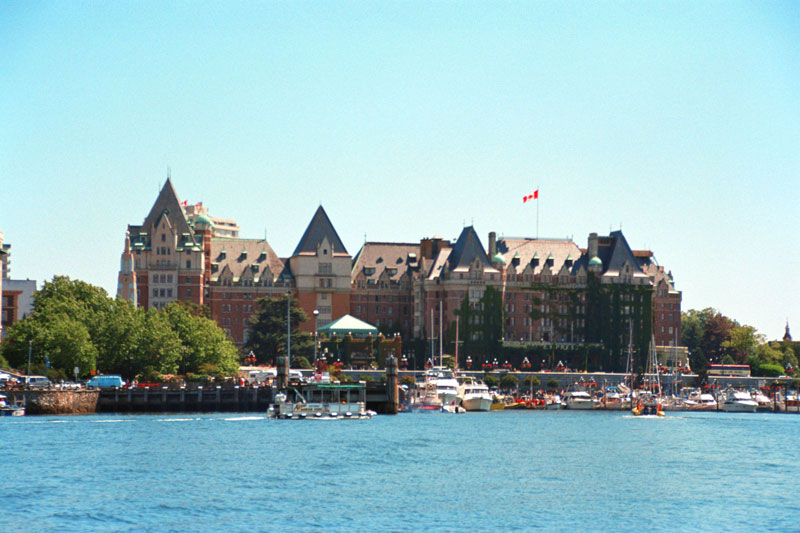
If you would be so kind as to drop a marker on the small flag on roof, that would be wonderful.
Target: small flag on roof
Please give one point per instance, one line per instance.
(534, 196)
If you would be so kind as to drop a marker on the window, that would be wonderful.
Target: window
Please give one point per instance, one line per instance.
(161, 293)
(188, 293)
(155, 293)
(169, 278)
(188, 264)
(163, 237)
(324, 296)
(169, 293)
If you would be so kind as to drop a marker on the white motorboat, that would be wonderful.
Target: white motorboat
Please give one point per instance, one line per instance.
(577, 398)
(738, 402)
(763, 401)
(7, 409)
(475, 395)
(446, 384)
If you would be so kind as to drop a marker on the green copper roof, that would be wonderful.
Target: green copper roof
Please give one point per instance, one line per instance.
(498, 258)
(202, 219)
(595, 261)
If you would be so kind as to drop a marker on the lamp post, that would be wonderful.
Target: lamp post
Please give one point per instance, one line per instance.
(316, 314)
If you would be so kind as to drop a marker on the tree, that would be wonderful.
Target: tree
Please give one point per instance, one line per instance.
(742, 343)
(509, 382)
(76, 324)
(716, 332)
(267, 330)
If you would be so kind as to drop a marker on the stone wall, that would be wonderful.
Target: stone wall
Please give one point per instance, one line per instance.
(53, 402)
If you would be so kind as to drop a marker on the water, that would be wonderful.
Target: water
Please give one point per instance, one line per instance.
(500, 471)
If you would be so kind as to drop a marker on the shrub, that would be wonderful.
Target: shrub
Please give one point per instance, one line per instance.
(769, 370)
(552, 384)
(409, 381)
(491, 381)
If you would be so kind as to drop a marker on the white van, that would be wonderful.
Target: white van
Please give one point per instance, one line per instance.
(36, 382)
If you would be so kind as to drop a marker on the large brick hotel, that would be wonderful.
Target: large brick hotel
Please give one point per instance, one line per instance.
(181, 252)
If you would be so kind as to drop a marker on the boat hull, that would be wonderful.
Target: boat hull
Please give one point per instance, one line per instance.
(477, 403)
(739, 407)
(579, 404)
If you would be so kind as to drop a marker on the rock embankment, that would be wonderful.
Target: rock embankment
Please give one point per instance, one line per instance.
(55, 402)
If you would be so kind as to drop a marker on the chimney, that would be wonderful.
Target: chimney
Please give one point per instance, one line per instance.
(492, 244)
(592, 245)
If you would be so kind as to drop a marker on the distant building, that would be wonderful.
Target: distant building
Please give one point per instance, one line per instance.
(16, 296)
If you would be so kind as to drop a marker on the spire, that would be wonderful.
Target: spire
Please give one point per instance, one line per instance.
(467, 248)
(318, 229)
(787, 336)
(169, 205)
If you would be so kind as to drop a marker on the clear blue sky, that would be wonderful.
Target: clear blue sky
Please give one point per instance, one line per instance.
(679, 121)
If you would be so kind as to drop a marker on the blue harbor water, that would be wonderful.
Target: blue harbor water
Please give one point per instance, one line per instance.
(499, 471)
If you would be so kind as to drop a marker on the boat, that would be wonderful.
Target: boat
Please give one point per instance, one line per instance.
(424, 398)
(764, 402)
(647, 404)
(576, 397)
(446, 384)
(474, 394)
(552, 402)
(704, 402)
(319, 400)
(7, 409)
(737, 401)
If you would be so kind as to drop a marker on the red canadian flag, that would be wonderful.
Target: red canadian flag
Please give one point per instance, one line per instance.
(534, 196)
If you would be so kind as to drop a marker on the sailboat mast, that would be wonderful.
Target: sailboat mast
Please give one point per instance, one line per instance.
(441, 338)
(455, 361)
(433, 355)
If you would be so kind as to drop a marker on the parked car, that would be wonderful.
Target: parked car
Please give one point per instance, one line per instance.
(105, 382)
(68, 385)
(36, 382)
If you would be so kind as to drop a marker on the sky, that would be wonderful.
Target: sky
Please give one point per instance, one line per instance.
(678, 122)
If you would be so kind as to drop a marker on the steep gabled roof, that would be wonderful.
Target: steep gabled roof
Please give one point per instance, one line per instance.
(467, 248)
(319, 228)
(617, 254)
(168, 204)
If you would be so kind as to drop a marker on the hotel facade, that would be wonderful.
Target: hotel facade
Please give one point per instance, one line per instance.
(552, 291)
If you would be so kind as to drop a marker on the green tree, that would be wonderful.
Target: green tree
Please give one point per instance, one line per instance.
(266, 336)
(742, 343)
(509, 382)
(202, 341)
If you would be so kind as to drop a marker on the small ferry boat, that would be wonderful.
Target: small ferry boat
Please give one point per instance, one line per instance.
(316, 400)
(7, 409)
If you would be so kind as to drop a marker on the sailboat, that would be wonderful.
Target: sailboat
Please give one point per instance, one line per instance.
(649, 402)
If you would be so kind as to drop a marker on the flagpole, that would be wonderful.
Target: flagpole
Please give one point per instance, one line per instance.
(537, 214)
